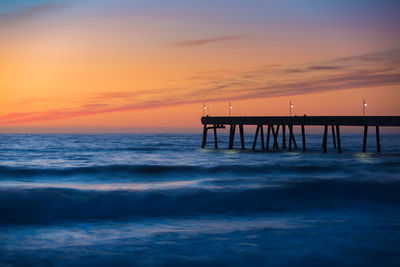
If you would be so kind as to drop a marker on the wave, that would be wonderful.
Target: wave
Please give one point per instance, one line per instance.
(166, 170)
(48, 205)
(6, 171)
(148, 171)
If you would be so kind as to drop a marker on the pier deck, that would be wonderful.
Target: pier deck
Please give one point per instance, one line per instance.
(274, 123)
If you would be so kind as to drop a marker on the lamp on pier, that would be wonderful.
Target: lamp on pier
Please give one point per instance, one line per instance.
(290, 108)
(204, 110)
(364, 106)
(230, 108)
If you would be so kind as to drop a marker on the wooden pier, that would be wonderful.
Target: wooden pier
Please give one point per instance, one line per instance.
(274, 124)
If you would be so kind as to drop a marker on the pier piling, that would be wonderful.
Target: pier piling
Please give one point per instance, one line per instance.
(303, 136)
(255, 137)
(204, 136)
(275, 134)
(378, 140)
(215, 137)
(232, 135)
(294, 139)
(241, 135)
(283, 136)
(333, 136)
(325, 138)
(365, 138)
(290, 136)
(262, 136)
(268, 136)
(339, 147)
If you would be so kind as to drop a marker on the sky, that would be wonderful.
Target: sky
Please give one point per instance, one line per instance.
(149, 66)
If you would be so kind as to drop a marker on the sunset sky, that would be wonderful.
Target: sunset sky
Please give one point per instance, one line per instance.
(148, 66)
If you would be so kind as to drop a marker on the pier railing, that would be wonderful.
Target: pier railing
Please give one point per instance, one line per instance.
(274, 123)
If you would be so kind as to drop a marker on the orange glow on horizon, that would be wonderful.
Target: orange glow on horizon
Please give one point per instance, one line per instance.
(71, 70)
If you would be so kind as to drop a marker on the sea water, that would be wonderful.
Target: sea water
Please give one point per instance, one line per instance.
(159, 199)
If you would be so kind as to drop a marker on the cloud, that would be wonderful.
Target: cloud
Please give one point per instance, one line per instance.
(363, 71)
(29, 12)
(197, 42)
(316, 67)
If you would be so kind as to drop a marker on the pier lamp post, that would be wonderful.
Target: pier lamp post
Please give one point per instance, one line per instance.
(364, 106)
(204, 110)
(230, 108)
(290, 108)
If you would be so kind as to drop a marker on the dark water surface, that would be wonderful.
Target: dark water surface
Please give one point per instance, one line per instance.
(77, 200)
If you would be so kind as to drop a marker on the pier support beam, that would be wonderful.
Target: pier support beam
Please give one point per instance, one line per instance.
(325, 138)
(215, 137)
(365, 138)
(255, 137)
(339, 147)
(241, 135)
(303, 136)
(294, 139)
(232, 135)
(283, 136)
(275, 135)
(333, 136)
(290, 136)
(268, 136)
(262, 137)
(261, 130)
(378, 140)
(203, 144)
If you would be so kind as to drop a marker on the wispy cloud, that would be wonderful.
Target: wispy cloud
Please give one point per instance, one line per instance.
(197, 42)
(364, 71)
(30, 12)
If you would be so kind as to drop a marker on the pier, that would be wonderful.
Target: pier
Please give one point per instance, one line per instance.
(275, 124)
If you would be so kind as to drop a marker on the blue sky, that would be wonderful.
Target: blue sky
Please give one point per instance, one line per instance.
(16, 5)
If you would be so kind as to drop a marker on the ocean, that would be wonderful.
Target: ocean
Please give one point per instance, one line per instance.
(159, 199)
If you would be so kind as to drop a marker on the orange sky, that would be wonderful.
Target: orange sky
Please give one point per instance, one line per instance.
(95, 66)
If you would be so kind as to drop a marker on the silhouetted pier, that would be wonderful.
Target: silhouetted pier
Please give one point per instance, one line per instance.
(274, 124)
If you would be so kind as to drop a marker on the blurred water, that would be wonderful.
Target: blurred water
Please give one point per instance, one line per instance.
(159, 199)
